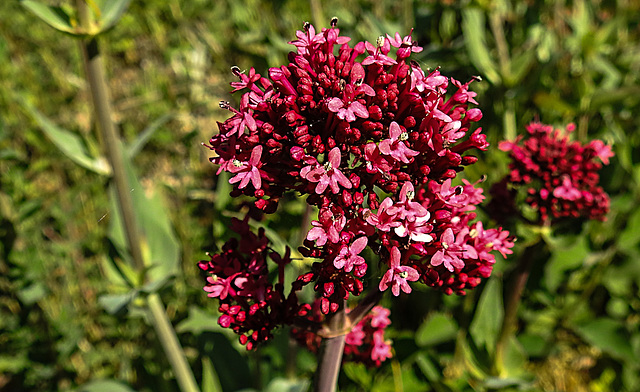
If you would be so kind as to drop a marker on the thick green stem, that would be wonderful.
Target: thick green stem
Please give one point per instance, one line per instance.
(170, 344)
(331, 354)
(102, 105)
(513, 296)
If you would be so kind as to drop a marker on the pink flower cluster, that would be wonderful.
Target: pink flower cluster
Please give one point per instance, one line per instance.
(348, 127)
(364, 343)
(560, 176)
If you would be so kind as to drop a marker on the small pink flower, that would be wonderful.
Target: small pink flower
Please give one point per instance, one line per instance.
(349, 255)
(327, 227)
(601, 150)
(449, 253)
(381, 348)
(328, 174)
(395, 147)
(567, 191)
(397, 275)
(247, 171)
(378, 53)
(347, 112)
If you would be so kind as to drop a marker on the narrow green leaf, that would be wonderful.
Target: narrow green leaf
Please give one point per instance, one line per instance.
(609, 336)
(32, 294)
(629, 239)
(280, 384)
(160, 246)
(55, 17)
(112, 11)
(473, 28)
(437, 328)
(565, 258)
(115, 303)
(357, 372)
(199, 321)
(69, 143)
(145, 135)
(520, 66)
(105, 386)
(210, 382)
(486, 322)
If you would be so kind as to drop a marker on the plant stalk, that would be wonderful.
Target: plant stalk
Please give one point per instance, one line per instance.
(94, 68)
(330, 355)
(171, 344)
(513, 298)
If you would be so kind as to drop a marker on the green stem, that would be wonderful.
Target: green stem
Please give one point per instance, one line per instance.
(170, 344)
(102, 105)
(331, 354)
(513, 297)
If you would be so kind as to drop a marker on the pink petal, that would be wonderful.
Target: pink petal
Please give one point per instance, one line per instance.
(335, 104)
(359, 109)
(358, 245)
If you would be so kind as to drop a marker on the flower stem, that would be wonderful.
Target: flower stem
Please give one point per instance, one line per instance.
(170, 344)
(513, 297)
(97, 80)
(331, 354)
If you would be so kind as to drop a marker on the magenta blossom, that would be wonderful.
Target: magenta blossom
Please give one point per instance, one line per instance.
(248, 171)
(362, 134)
(397, 275)
(328, 174)
(349, 255)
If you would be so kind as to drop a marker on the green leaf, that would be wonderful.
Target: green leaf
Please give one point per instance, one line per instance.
(487, 320)
(287, 385)
(199, 321)
(210, 382)
(232, 367)
(32, 294)
(565, 258)
(437, 328)
(629, 239)
(112, 11)
(69, 143)
(104, 386)
(160, 247)
(473, 28)
(115, 303)
(55, 17)
(609, 336)
(358, 373)
(145, 135)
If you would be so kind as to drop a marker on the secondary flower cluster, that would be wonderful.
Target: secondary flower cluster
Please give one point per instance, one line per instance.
(560, 176)
(347, 127)
(364, 343)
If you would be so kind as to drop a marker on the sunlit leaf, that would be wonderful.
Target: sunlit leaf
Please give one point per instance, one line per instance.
(115, 303)
(69, 143)
(145, 135)
(199, 321)
(473, 28)
(112, 11)
(488, 317)
(160, 246)
(437, 328)
(55, 17)
(608, 335)
(210, 382)
(105, 386)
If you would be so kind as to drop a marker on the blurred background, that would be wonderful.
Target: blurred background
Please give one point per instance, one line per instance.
(168, 65)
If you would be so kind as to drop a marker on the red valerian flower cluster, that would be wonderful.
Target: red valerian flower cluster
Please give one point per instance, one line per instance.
(348, 127)
(559, 175)
(365, 342)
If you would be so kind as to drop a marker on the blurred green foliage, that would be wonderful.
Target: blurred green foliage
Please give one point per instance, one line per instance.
(168, 64)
